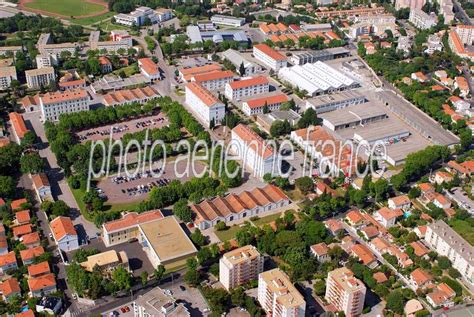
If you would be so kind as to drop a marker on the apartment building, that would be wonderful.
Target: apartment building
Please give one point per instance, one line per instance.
(458, 37)
(228, 20)
(214, 80)
(387, 217)
(126, 96)
(237, 59)
(422, 20)
(137, 17)
(53, 104)
(278, 296)
(443, 239)
(269, 56)
(247, 88)
(18, 125)
(208, 108)
(119, 39)
(345, 292)
(124, 229)
(40, 77)
(412, 4)
(256, 155)
(164, 14)
(240, 266)
(258, 106)
(185, 74)
(157, 303)
(7, 74)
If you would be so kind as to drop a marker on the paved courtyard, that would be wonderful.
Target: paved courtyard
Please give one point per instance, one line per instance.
(120, 129)
(125, 190)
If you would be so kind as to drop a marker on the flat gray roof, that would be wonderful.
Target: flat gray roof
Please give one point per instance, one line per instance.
(335, 97)
(353, 113)
(417, 119)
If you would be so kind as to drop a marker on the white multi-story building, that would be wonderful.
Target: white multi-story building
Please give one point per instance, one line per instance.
(41, 77)
(52, 105)
(269, 56)
(247, 88)
(240, 266)
(158, 303)
(387, 217)
(237, 59)
(422, 20)
(278, 296)
(345, 292)
(257, 106)
(120, 39)
(45, 60)
(208, 108)
(443, 239)
(257, 156)
(164, 14)
(228, 20)
(7, 74)
(137, 17)
(412, 4)
(214, 80)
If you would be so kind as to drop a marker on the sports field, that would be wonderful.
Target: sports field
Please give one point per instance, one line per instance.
(66, 8)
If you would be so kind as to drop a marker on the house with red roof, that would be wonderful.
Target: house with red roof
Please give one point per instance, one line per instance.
(441, 296)
(42, 285)
(399, 202)
(321, 252)
(17, 204)
(105, 65)
(64, 233)
(387, 217)
(149, 69)
(29, 255)
(9, 289)
(8, 262)
(420, 278)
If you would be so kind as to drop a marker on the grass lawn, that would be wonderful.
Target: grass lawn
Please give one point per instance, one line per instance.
(228, 234)
(464, 228)
(295, 194)
(129, 71)
(267, 219)
(96, 19)
(66, 7)
(108, 25)
(132, 206)
(78, 195)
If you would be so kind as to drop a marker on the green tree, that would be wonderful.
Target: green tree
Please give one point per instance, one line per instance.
(242, 69)
(308, 118)
(7, 186)
(122, 278)
(158, 272)
(198, 238)
(396, 302)
(144, 278)
(319, 288)
(304, 184)
(29, 139)
(443, 262)
(32, 163)
(182, 210)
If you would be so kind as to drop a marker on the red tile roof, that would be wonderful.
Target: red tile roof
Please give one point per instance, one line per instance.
(132, 219)
(420, 277)
(38, 269)
(8, 258)
(61, 96)
(253, 140)
(62, 226)
(320, 249)
(215, 75)
(148, 66)
(30, 238)
(267, 50)
(40, 180)
(31, 253)
(10, 287)
(16, 204)
(203, 94)
(23, 217)
(211, 209)
(260, 102)
(22, 230)
(39, 283)
(28, 313)
(363, 253)
(260, 80)
(18, 124)
(354, 216)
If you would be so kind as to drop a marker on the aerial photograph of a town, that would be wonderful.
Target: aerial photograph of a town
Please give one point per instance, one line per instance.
(246, 158)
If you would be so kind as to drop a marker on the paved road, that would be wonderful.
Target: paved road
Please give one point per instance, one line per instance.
(463, 201)
(59, 185)
(460, 13)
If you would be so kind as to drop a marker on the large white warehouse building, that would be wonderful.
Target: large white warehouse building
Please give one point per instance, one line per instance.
(316, 79)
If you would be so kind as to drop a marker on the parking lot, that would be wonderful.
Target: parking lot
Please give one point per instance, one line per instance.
(137, 258)
(120, 129)
(122, 189)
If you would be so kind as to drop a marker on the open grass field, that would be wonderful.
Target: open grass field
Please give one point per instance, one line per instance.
(228, 234)
(96, 19)
(66, 8)
(464, 228)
